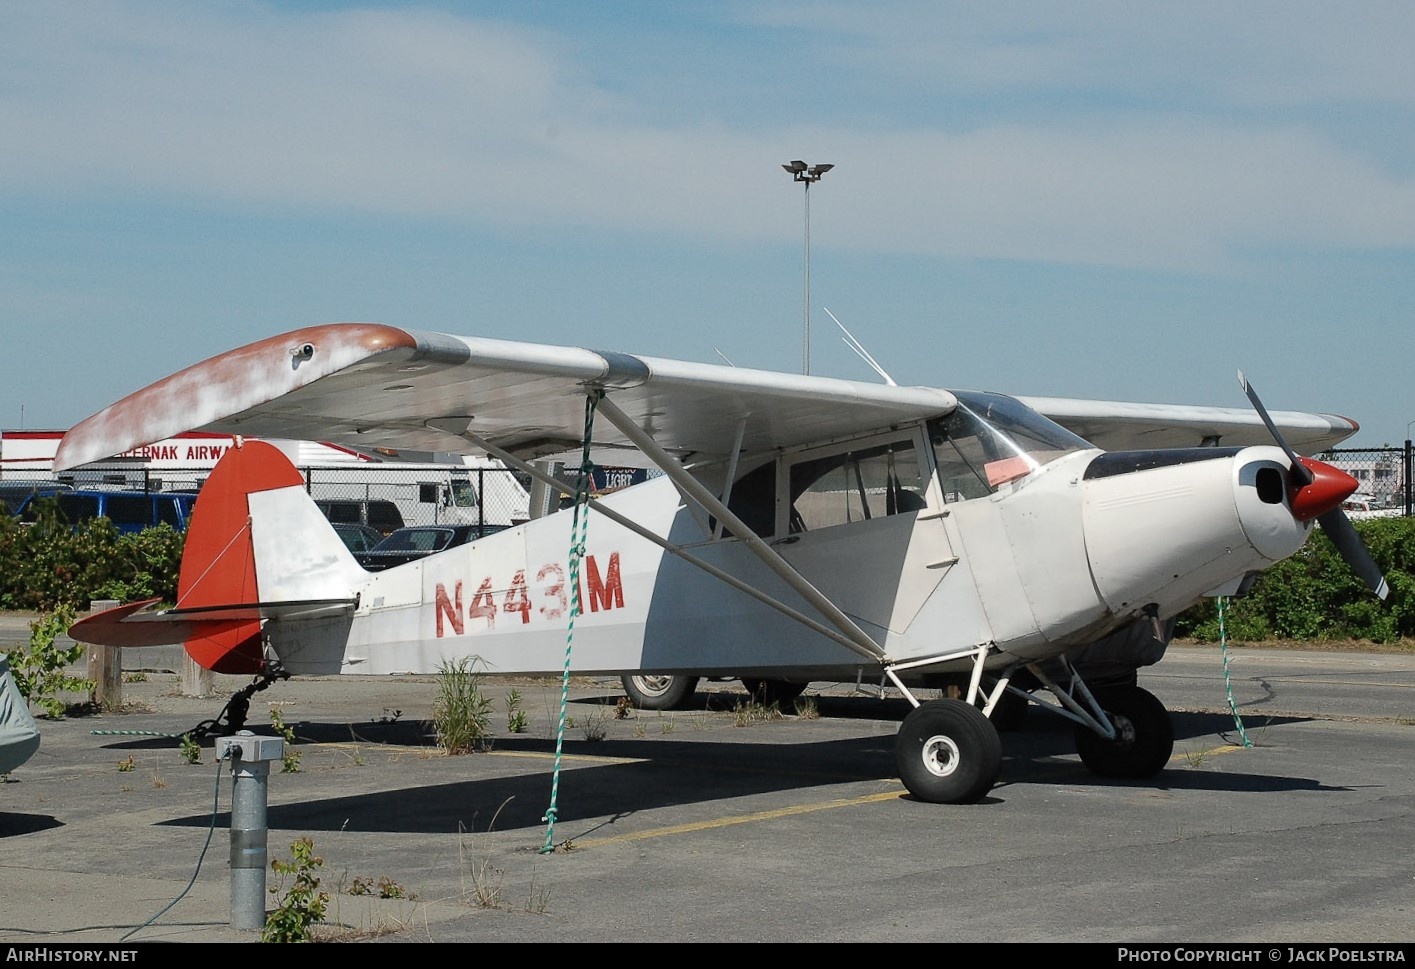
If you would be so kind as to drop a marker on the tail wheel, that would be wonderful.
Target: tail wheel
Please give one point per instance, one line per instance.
(948, 753)
(781, 693)
(650, 691)
(1144, 738)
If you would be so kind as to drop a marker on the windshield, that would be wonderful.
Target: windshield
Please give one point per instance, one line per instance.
(463, 494)
(991, 440)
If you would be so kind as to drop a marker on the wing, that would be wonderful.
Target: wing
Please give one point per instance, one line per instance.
(1120, 426)
(369, 384)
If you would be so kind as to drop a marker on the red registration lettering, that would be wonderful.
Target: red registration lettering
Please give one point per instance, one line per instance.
(608, 592)
(451, 609)
(516, 598)
(483, 605)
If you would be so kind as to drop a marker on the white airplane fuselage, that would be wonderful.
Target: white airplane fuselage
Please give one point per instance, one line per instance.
(1056, 559)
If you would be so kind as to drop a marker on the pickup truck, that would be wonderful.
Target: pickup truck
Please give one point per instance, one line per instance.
(403, 545)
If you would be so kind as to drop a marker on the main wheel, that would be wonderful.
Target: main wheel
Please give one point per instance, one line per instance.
(947, 752)
(650, 691)
(783, 693)
(1144, 735)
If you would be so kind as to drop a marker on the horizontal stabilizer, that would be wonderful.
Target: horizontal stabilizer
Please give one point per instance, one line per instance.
(136, 624)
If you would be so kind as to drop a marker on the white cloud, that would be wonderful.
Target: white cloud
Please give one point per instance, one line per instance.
(428, 114)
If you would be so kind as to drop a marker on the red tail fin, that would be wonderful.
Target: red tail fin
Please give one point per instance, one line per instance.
(218, 558)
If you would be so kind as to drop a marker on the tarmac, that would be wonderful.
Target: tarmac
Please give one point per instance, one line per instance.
(1284, 817)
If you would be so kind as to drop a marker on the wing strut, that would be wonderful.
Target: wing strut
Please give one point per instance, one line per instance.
(692, 487)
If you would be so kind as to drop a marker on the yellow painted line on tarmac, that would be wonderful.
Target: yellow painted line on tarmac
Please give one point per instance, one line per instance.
(1192, 755)
(726, 822)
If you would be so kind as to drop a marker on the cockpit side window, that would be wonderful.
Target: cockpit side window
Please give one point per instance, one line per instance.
(962, 454)
(990, 440)
(855, 485)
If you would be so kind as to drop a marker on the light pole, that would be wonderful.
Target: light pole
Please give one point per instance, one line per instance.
(806, 174)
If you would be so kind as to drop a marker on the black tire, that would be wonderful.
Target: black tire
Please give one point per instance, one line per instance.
(1145, 735)
(651, 691)
(783, 693)
(947, 752)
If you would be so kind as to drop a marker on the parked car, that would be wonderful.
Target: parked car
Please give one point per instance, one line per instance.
(376, 513)
(418, 541)
(14, 493)
(130, 511)
(356, 537)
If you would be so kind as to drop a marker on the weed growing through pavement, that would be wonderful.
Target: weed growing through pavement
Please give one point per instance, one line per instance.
(807, 708)
(290, 762)
(384, 887)
(127, 765)
(461, 716)
(191, 750)
(303, 903)
(1195, 758)
(515, 717)
(746, 714)
(596, 725)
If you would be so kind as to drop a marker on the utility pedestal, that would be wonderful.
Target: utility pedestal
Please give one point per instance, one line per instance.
(250, 758)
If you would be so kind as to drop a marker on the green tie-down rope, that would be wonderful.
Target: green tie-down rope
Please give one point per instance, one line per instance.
(1227, 683)
(579, 527)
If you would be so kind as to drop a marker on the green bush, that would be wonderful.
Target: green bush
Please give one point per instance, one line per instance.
(41, 671)
(1314, 595)
(52, 563)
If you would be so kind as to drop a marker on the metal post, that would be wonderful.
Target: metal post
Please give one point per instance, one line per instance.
(250, 772)
(806, 174)
(1407, 478)
(806, 292)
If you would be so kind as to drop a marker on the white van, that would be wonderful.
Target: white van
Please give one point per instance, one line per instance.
(429, 494)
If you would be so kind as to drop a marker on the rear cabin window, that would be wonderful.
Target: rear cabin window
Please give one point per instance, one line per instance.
(78, 508)
(167, 512)
(129, 509)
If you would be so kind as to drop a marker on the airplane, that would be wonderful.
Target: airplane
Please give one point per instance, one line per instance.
(804, 527)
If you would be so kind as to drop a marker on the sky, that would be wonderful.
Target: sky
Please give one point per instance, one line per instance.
(1094, 199)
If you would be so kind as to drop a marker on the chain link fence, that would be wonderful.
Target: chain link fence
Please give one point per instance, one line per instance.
(1382, 476)
(383, 496)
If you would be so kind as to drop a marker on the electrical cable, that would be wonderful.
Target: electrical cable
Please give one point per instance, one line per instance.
(215, 807)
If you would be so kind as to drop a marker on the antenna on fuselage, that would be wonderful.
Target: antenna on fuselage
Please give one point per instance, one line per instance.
(859, 348)
(723, 356)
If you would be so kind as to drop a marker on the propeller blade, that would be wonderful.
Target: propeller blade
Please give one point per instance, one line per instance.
(1315, 489)
(1299, 471)
(1348, 542)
